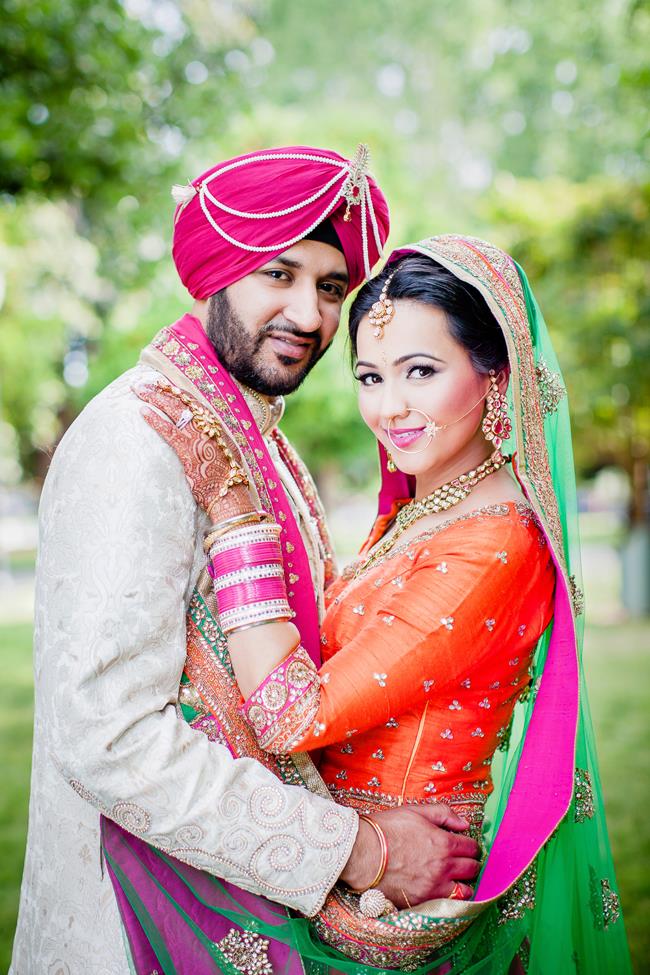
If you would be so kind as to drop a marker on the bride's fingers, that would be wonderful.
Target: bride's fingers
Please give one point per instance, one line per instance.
(165, 428)
(166, 402)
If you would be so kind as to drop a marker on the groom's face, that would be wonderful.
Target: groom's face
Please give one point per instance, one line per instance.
(270, 328)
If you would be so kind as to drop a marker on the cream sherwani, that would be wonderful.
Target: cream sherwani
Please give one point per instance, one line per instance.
(120, 552)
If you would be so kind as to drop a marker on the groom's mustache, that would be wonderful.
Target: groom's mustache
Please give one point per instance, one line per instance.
(278, 327)
(313, 339)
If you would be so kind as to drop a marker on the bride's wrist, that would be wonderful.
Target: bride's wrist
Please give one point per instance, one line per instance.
(248, 573)
(224, 525)
(236, 501)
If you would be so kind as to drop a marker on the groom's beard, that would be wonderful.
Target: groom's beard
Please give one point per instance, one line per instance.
(241, 353)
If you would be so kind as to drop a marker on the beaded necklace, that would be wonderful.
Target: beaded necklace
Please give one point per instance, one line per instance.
(443, 498)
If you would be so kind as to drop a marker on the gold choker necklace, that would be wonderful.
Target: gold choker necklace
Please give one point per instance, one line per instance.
(444, 497)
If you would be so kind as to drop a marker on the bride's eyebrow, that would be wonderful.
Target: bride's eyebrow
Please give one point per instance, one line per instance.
(402, 359)
(417, 355)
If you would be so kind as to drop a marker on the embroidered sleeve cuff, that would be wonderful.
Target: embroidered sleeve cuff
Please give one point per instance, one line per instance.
(282, 710)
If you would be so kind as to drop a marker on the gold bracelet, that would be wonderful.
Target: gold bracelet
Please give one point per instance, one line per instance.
(408, 903)
(276, 619)
(222, 527)
(383, 862)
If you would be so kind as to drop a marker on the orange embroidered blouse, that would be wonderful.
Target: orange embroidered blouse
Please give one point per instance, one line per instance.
(425, 655)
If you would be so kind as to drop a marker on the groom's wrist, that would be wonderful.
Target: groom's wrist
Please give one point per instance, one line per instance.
(361, 866)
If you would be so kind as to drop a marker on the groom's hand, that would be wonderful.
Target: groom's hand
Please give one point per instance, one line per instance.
(428, 854)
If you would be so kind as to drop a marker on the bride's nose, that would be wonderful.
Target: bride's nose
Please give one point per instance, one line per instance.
(393, 406)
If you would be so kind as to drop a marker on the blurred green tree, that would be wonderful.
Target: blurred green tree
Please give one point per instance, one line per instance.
(90, 94)
(585, 248)
(99, 102)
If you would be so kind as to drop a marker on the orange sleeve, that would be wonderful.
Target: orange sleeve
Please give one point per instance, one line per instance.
(438, 621)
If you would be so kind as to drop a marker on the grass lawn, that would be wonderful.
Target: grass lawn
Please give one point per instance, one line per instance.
(618, 672)
(16, 701)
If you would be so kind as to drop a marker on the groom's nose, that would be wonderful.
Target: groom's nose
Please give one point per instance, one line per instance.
(303, 309)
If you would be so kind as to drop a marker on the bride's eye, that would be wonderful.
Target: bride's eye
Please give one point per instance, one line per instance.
(368, 378)
(421, 372)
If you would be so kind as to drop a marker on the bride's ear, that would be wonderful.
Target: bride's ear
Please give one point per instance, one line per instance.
(502, 379)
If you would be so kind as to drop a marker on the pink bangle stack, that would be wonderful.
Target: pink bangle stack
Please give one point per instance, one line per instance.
(248, 577)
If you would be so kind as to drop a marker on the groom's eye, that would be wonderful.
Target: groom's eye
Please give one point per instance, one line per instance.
(332, 289)
(276, 274)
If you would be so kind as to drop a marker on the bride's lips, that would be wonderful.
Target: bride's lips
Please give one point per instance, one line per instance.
(404, 438)
(290, 346)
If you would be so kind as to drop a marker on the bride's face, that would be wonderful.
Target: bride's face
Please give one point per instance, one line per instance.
(418, 368)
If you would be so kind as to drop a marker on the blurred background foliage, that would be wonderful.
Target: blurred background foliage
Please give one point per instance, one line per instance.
(526, 123)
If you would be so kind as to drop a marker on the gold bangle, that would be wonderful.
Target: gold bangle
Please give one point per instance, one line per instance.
(222, 527)
(383, 862)
(275, 619)
(408, 903)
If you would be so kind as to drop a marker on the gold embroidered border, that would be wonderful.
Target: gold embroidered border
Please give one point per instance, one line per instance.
(494, 274)
(359, 568)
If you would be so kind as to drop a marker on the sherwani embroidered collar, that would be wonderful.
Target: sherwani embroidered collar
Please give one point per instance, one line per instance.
(267, 411)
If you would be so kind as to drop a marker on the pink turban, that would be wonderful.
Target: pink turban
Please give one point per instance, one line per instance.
(244, 212)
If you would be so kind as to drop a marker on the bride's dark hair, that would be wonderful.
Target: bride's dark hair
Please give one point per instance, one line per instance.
(419, 278)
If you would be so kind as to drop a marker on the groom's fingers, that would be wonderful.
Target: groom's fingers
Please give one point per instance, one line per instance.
(462, 892)
(463, 846)
(441, 815)
(464, 868)
(426, 856)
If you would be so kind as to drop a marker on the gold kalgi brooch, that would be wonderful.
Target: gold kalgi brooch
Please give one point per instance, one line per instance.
(357, 181)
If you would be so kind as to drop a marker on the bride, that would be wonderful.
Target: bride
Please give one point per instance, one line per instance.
(450, 654)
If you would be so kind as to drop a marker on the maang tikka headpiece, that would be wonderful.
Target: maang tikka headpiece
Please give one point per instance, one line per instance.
(382, 311)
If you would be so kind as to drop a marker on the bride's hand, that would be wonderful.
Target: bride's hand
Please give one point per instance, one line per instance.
(428, 855)
(218, 483)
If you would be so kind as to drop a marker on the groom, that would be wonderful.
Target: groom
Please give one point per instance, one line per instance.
(268, 245)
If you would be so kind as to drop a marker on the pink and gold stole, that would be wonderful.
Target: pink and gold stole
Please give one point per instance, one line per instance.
(186, 348)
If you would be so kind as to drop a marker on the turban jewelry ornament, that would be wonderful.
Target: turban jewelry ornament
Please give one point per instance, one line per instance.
(353, 188)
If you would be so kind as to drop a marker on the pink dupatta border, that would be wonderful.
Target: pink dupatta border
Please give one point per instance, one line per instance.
(543, 786)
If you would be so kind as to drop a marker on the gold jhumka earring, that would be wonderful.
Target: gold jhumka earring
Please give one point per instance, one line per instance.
(382, 311)
(391, 466)
(496, 424)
